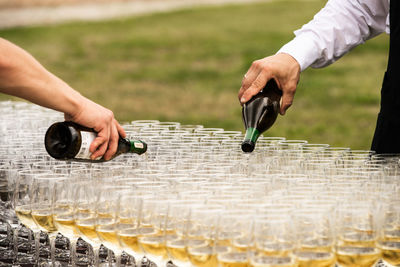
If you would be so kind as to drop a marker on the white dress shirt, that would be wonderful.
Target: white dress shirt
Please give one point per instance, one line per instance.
(337, 28)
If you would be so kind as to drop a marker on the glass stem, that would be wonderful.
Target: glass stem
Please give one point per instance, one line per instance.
(15, 242)
(96, 256)
(118, 258)
(110, 257)
(52, 239)
(72, 247)
(36, 236)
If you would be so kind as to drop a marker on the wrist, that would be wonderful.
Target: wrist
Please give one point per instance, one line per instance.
(70, 101)
(303, 50)
(292, 64)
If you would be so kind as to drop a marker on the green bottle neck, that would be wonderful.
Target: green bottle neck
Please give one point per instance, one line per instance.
(252, 134)
(138, 147)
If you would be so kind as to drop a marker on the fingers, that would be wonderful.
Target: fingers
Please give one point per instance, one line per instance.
(281, 67)
(248, 79)
(103, 122)
(120, 130)
(112, 145)
(98, 147)
(254, 81)
(257, 85)
(286, 101)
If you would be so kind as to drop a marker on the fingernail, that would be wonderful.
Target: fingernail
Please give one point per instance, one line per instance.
(243, 100)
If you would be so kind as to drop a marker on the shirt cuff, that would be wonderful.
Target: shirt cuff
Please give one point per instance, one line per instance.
(303, 49)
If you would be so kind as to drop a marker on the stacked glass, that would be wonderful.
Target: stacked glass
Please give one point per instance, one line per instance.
(196, 199)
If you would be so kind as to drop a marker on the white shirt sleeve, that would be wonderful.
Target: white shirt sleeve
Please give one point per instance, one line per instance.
(336, 29)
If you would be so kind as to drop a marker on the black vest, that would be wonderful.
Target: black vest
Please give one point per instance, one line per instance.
(387, 132)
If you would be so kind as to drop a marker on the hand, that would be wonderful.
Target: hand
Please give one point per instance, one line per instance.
(23, 76)
(281, 67)
(102, 120)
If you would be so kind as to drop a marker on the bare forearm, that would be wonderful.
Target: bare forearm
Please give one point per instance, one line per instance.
(23, 76)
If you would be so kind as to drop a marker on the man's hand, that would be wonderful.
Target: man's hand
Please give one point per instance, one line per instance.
(281, 67)
(102, 120)
(23, 76)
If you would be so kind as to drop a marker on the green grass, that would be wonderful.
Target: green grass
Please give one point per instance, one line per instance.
(187, 66)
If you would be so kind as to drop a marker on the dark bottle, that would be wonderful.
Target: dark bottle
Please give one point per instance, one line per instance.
(259, 113)
(67, 140)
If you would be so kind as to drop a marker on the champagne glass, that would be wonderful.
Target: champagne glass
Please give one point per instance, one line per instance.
(201, 235)
(42, 201)
(314, 229)
(191, 128)
(108, 219)
(63, 215)
(176, 239)
(274, 238)
(22, 206)
(365, 154)
(357, 235)
(389, 234)
(85, 214)
(128, 227)
(209, 131)
(234, 238)
(7, 174)
(154, 217)
(143, 123)
(168, 125)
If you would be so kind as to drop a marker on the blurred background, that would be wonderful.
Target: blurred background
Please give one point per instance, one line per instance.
(186, 63)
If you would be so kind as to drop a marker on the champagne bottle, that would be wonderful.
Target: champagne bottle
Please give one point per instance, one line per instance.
(260, 113)
(70, 141)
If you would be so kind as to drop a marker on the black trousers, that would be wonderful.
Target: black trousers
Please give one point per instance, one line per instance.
(387, 132)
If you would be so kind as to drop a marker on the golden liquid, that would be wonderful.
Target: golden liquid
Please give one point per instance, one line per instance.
(62, 208)
(315, 259)
(104, 215)
(126, 220)
(392, 235)
(233, 259)
(358, 239)
(203, 257)
(44, 219)
(24, 215)
(108, 235)
(282, 249)
(177, 250)
(391, 252)
(317, 245)
(170, 231)
(225, 238)
(65, 224)
(241, 244)
(84, 210)
(196, 243)
(265, 261)
(154, 245)
(357, 256)
(129, 239)
(87, 228)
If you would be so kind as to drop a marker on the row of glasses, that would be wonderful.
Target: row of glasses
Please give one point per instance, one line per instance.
(204, 239)
(152, 213)
(194, 168)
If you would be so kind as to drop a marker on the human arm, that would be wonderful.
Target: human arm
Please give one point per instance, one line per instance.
(335, 30)
(23, 76)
